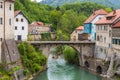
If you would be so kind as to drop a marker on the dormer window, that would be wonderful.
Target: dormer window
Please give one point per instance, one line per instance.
(110, 17)
(1, 5)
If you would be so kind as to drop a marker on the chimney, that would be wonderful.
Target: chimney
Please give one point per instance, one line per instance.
(94, 11)
(114, 12)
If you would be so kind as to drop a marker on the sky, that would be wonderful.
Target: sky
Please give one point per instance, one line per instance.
(37, 0)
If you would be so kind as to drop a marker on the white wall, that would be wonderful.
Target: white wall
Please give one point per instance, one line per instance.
(19, 25)
(94, 26)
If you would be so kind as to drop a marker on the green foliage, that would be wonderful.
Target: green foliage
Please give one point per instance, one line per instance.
(6, 77)
(45, 36)
(70, 55)
(30, 38)
(34, 11)
(14, 69)
(55, 18)
(64, 19)
(3, 74)
(117, 77)
(32, 59)
(108, 9)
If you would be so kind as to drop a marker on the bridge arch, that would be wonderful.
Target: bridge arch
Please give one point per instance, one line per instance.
(76, 48)
(87, 64)
(99, 69)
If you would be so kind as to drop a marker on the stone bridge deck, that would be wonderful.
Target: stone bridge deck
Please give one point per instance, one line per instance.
(61, 42)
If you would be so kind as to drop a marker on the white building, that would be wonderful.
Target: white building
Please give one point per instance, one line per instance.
(20, 26)
(104, 34)
(75, 34)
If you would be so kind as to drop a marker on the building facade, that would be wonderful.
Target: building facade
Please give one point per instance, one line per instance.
(6, 21)
(20, 26)
(104, 35)
(75, 34)
(36, 29)
(116, 38)
(89, 24)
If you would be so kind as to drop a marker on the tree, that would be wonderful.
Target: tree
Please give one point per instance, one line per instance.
(55, 18)
(70, 55)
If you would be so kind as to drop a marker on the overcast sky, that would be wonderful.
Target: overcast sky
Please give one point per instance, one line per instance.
(37, 0)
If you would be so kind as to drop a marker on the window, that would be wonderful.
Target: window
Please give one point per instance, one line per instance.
(118, 41)
(97, 38)
(16, 19)
(101, 38)
(10, 21)
(109, 45)
(105, 39)
(110, 33)
(98, 28)
(15, 27)
(99, 17)
(22, 27)
(1, 5)
(1, 21)
(106, 28)
(21, 20)
(105, 51)
(10, 7)
(101, 50)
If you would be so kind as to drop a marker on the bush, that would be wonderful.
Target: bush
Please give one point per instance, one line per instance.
(32, 59)
(6, 77)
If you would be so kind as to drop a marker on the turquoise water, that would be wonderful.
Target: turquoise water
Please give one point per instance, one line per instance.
(58, 69)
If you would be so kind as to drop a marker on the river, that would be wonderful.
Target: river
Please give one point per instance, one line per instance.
(58, 69)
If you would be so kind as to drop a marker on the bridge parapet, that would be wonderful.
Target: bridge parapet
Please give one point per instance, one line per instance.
(62, 42)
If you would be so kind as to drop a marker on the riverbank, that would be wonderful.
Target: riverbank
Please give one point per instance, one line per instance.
(39, 72)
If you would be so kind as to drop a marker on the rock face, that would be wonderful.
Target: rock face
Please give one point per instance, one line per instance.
(110, 69)
(11, 58)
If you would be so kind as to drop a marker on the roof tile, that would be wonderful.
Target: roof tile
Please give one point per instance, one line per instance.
(95, 14)
(80, 28)
(110, 18)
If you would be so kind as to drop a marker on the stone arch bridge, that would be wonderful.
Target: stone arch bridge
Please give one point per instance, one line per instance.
(84, 48)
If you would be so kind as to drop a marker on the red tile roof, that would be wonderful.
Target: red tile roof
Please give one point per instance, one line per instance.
(80, 28)
(117, 25)
(95, 14)
(16, 12)
(110, 18)
(11, 0)
(38, 23)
